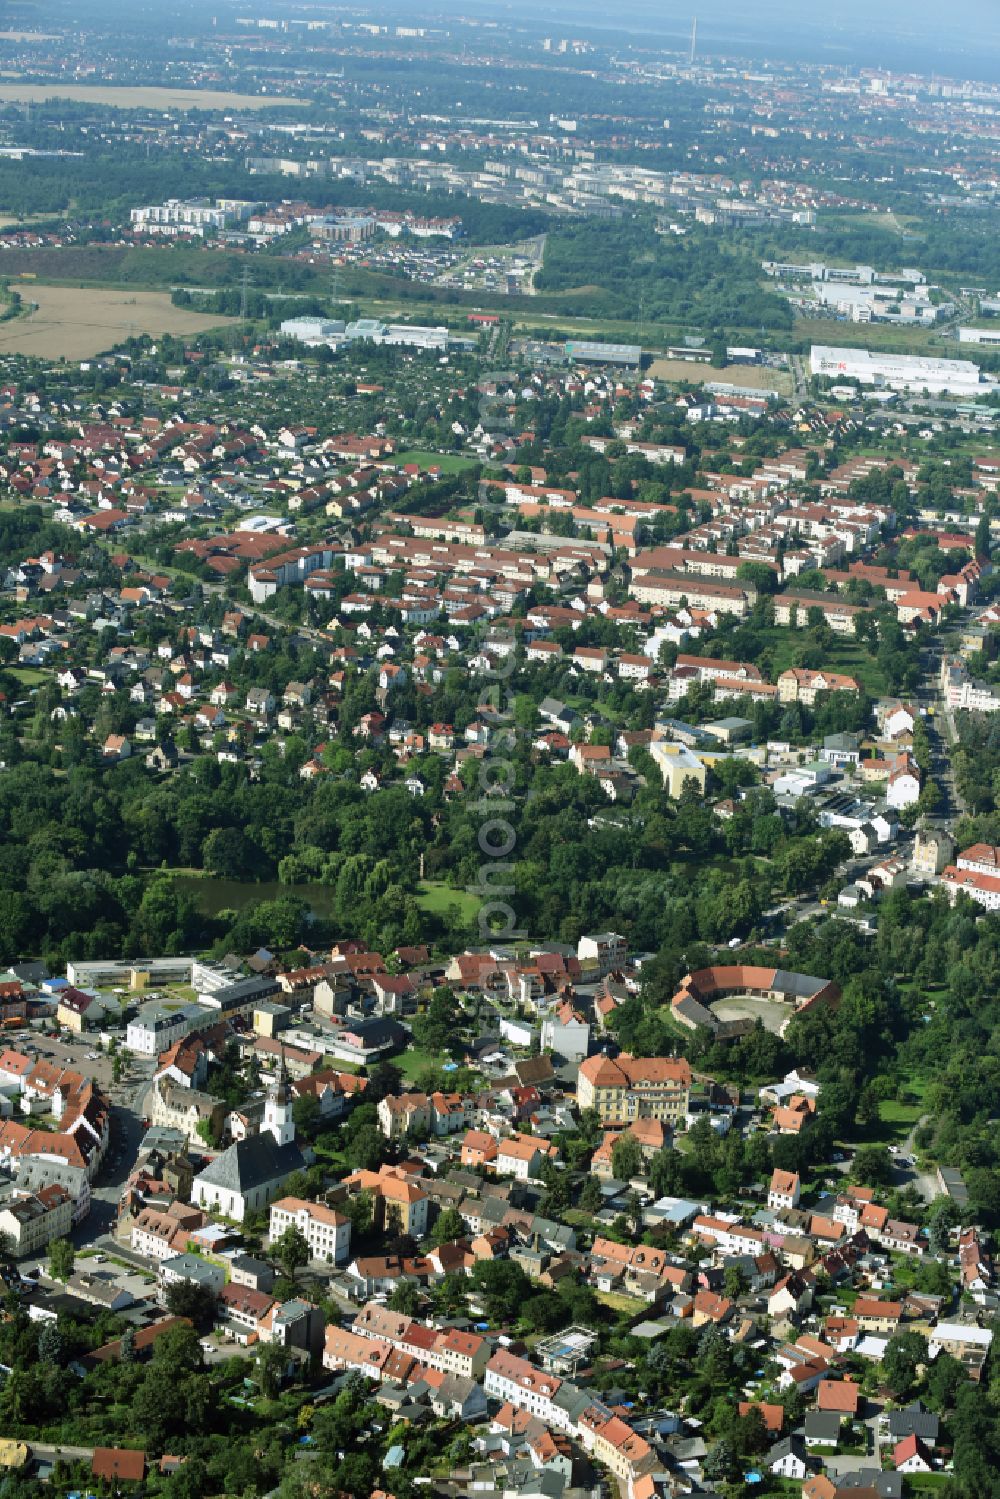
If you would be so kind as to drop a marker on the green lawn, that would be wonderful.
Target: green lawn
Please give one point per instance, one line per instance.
(449, 463)
(29, 675)
(899, 1115)
(631, 1306)
(434, 896)
(415, 1060)
(845, 655)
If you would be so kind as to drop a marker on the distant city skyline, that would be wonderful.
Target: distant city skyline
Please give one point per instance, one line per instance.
(891, 33)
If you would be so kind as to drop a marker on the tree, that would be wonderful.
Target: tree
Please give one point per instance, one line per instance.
(904, 1356)
(291, 1250)
(270, 1367)
(229, 853)
(626, 1157)
(51, 1343)
(384, 1081)
(732, 1282)
(62, 1258)
(943, 1217)
(945, 1378)
(590, 1195)
(186, 1298)
(449, 1225)
(360, 1209)
(983, 542)
(873, 1166)
(208, 1132)
(191, 1481)
(306, 1114)
(754, 1437)
(720, 1461)
(405, 1298)
(869, 1115)
(504, 1286)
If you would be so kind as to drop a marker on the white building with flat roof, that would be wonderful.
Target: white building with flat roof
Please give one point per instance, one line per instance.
(955, 377)
(313, 330)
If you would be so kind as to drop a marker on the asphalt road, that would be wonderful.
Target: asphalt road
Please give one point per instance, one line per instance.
(128, 1103)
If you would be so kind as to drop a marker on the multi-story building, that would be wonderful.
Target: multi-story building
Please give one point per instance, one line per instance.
(327, 1233)
(784, 1190)
(450, 1350)
(678, 764)
(520, 1157)
(161, 1235)
(984, 889)
(513, 1379)
(604, 951)
(800, 685)
(433, 1114)
(964, 1341)
(627, 1088)
(33, 1220)
(193, 1268)
(195, 218)
(156, 1026)
(199, 1115)
(933, 850)
(980, 858)
(393, 1196)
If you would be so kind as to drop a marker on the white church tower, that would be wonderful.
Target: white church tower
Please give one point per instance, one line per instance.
(278, 1119)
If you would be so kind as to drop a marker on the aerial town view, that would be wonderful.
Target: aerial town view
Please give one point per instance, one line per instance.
(499, 750)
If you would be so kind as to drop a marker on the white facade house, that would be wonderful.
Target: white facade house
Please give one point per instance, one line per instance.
(903, 789)
(30, 1221)
(156, 1027)
(327, 1233)
(519, 1157)
(527, 1388)
(603, 950)
(784, 1190)
(984, 889)
(568, 1038)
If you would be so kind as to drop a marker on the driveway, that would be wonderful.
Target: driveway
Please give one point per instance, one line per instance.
(925, 1182)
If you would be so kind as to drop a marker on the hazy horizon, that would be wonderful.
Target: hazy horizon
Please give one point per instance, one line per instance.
(891, 33)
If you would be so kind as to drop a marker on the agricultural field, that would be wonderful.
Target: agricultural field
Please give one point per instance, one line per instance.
(78, 324)
(141, 98)
(886, 338)
(755, 377)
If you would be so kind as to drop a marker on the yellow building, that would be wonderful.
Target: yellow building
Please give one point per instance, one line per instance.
(270, 1019)
(677, 764)
(626, 1088)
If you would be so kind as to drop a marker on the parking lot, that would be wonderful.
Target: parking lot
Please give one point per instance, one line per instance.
(82, 1053)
